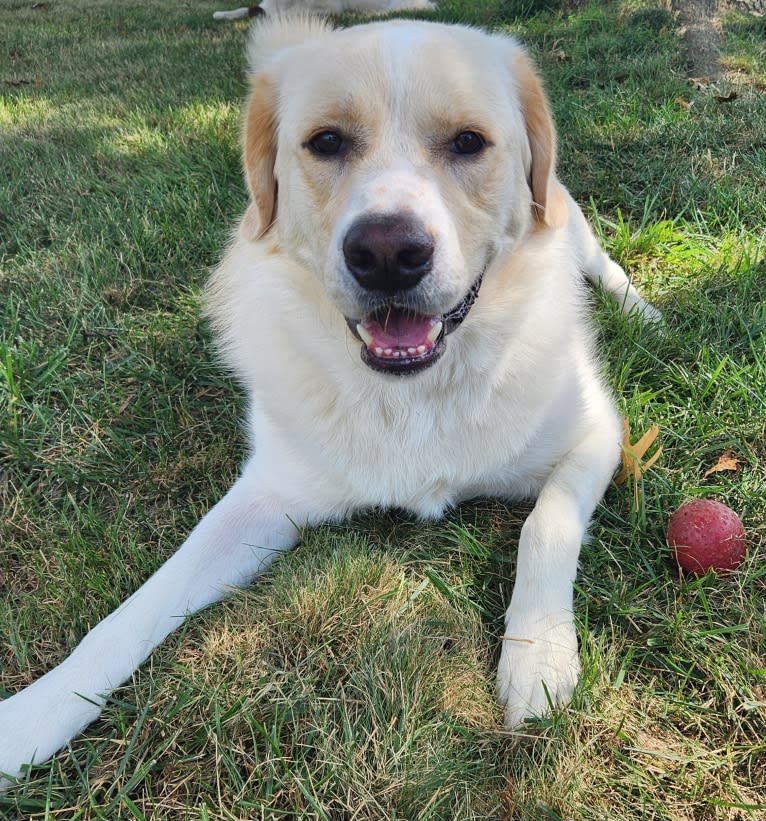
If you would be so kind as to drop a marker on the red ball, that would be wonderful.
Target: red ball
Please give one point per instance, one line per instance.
(706, 535)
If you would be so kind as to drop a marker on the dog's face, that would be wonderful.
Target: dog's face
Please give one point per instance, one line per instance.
(381, 169)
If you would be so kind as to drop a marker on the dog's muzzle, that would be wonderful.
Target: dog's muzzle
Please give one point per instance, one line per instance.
(388, 255)
(398, 341)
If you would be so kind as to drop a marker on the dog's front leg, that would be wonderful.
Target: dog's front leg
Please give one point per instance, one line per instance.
(539, 664)
(235, 541)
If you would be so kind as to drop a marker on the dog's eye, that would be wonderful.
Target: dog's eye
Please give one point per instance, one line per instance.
(467, 142)
(327, 143)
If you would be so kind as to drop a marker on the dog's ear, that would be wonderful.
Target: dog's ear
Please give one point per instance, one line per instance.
(271, 40)
(259, 156)
(549, 205)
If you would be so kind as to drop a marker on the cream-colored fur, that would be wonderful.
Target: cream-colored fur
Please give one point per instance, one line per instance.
(281, 7)
(512, 407)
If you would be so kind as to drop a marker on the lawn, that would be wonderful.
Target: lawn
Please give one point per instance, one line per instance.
(355, 680)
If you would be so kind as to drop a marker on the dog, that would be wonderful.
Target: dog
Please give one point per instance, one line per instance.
(282, 7)
(403, 302)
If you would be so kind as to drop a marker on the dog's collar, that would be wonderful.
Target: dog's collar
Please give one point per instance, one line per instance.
(453, 318)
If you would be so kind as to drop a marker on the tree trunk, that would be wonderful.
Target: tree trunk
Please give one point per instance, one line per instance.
(701, 35)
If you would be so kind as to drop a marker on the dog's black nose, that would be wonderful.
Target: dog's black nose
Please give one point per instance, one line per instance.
(389, 253)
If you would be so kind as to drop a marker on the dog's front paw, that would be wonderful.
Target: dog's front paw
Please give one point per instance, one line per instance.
(18, 744)
(38, 722)
(539, 666)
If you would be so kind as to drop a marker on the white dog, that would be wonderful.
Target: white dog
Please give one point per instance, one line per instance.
(403, 304)
(276, 7)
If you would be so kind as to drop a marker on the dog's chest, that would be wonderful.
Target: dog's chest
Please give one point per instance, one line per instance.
(417, 449)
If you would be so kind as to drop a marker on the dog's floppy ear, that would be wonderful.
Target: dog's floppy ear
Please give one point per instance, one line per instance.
(259, 155)
(271, 40)
(548, 202)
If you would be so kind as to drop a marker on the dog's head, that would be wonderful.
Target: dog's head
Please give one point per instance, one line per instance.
(396, 161)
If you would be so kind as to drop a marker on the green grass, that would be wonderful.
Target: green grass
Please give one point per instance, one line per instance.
(355, 681)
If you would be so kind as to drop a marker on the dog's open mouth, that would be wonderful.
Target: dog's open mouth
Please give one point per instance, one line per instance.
(396, 340)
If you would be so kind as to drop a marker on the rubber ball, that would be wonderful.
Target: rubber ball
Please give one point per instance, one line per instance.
(706, 535)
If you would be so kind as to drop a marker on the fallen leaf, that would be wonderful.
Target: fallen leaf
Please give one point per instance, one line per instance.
(633, 453)
(729, 98)
(681, 103)
(726, 461)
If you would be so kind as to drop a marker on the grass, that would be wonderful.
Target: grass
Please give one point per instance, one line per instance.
(355, 680)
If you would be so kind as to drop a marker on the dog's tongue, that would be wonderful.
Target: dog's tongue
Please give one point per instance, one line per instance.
(402, 331)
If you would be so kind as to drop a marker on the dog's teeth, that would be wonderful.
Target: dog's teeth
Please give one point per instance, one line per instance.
(433, 334)
(365, 335)
(400, 353)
